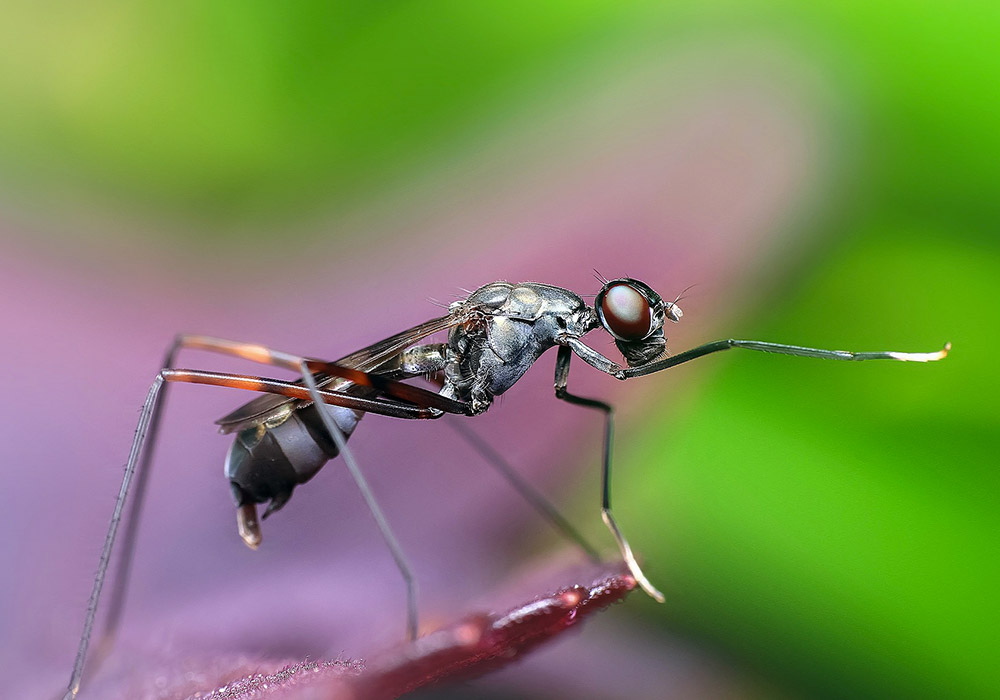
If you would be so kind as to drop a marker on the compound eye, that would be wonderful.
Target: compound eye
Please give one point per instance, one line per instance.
(626, 312)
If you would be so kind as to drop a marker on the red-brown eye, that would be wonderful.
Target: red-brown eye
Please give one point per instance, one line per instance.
(626, 312)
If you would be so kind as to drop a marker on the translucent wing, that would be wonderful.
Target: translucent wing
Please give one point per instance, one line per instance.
(365, 359)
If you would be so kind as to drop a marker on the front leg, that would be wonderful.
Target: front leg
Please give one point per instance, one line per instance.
(782, 349)
(590, 356)
(562, 376)
(599, 361)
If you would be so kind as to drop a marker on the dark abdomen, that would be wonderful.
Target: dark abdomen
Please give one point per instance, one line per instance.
(267, 461)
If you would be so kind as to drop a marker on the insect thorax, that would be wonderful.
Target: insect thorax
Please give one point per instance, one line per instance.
(518, 323)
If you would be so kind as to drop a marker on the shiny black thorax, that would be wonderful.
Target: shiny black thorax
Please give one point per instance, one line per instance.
(520, 322)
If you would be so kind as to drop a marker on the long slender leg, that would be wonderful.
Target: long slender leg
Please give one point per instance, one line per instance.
(390, 387)
(528, 492)
(779, 348)
(596, 359)
(278, 358)
(295, 390)
(533, 496)
(149, 416)
(138, 441)
(255, 353)
(562, 376)
(119, 583)
(373, 506)
(119, 587)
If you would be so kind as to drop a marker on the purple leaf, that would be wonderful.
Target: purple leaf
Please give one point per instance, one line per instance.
(476, 644)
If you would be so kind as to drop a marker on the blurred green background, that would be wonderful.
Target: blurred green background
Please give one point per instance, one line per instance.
(834, 538)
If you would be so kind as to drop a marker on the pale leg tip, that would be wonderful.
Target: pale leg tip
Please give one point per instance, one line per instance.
(651, 590)
(921, 356)
(644, 582)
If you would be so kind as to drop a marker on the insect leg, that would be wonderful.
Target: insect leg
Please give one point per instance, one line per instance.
(415, 395)
(389, 387)
(383, 525)
(149, 408)
(149, 416)
(596, 359)
(279, 358)
(295, 390)
(779, 348)
(254, 353)
(119, 586)
(119, 583)
(119, 590)
(562, 376)
(528, 492)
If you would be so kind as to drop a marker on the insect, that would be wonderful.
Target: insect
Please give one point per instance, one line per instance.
(284, 436)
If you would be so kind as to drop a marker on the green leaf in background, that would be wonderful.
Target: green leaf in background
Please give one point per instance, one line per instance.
(228, 111)
(832, 526)
(838, 522)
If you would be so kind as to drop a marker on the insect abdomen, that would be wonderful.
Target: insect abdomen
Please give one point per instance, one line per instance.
(267, 461)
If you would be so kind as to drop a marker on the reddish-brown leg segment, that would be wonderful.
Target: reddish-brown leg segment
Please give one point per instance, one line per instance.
(145, 437)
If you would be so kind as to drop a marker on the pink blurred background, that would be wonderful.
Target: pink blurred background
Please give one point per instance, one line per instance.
(656, 181)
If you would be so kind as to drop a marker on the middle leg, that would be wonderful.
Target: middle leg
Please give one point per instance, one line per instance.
(529, 493)
(562, 376)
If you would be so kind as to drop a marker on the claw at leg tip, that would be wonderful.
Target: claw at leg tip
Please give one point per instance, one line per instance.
(651, 591)
(940, 354)
(641, 579)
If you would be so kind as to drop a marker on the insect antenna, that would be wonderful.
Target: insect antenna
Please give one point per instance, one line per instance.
(681, 296)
